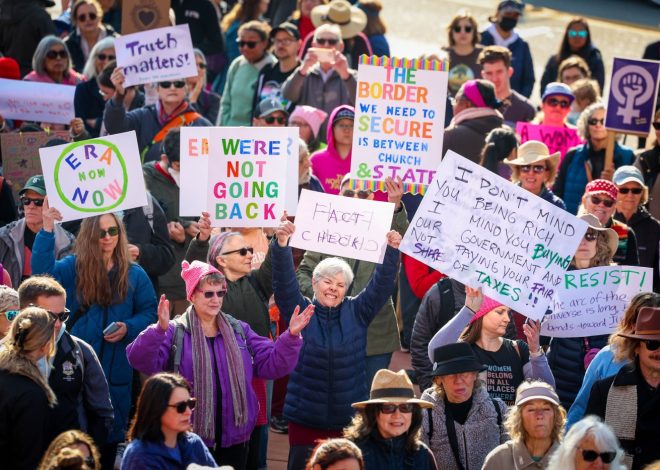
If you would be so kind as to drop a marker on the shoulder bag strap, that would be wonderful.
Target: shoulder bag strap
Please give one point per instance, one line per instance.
(451, 435)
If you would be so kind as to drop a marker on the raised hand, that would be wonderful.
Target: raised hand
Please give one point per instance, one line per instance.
(532, 330)
(163, 313)
(117, 78)
(284, 231)
(204, 226)
(49, 216)
(299, 320)
(473, 298)
(394, 191)
(394, 239)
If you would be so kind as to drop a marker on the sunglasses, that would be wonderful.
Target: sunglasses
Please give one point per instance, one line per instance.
(208, 294)
(595, 122)
(362, 193)
(656, 126)
(62, 316)
(10, 314)
(105, 57)
(554, 102)
(596, 201)
(182, 405)
(328, 41)
(272, 119)
(573, 33)
(534, 168)
(389, 408)
(630, 190)
(92, 16)
(112, 231)
(458, 29)
(651, 344)
(202, 65)
(177, 84)
(241, 251)
(62, 54)
(26, 201)
(248, 44)
(592, 455)
(590, 236)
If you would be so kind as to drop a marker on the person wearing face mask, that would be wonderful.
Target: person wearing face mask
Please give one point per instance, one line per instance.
(502, 32)
(25, 395)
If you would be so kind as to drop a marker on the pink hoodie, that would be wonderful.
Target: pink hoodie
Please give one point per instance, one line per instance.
(327, 164)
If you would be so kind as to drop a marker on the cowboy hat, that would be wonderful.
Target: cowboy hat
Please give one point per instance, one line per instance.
(532, 152)
(391, 387)
(351, 20)
(594, 223)
(455, 358)
(647, 325)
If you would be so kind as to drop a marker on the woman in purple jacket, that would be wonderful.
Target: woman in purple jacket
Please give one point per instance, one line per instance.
(218, 355)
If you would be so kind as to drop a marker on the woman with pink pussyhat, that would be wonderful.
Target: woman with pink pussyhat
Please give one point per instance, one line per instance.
(309, 120)
(482, 323)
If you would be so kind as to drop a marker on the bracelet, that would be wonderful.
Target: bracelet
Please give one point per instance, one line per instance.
(538, 353)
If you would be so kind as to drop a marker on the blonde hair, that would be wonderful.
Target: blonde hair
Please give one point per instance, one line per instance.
(69, 439)
(514, 423)
(550, 164)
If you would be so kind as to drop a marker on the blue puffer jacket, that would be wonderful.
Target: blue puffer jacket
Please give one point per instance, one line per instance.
(137, 310)
(330, 374)
(523, 78)
(141, 455)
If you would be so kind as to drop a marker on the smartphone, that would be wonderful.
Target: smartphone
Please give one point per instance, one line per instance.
(324, 55)
(111, 328)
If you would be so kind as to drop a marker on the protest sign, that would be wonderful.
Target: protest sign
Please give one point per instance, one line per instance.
(486, 232)
(342, 226)
(156, 55)
(143, 15)
(399, 122)
(558, 139)
(633, 93)
(95, 176)
(592, 301)
(194, 155)
(34, 101)
(20, 155)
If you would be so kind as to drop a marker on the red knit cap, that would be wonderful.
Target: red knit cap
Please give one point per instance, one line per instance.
(193, 273)
(9, 68)
(487, 306)
(602, 187)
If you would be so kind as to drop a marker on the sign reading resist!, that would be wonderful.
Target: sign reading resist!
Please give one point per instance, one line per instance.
(487, 232)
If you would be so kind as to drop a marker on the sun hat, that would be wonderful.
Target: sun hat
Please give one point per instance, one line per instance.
(192, 273)
(601, 187)
(528, 391)
(455, 358)
(594, 223)
(391, 387)
(647, 325)
(626, 174)
(487, 306)
(351, 20)
(532, 152)
(311, 115)
(557, 88)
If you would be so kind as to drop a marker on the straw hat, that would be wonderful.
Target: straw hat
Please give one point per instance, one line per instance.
(594, 223)
(351, 20)
(391, 387)
(532, 152)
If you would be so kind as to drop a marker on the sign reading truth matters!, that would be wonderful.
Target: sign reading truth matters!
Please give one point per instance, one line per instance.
(94, 177)
(399, 122)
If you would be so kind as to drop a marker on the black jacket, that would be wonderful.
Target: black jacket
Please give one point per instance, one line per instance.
(202, 19)
(591, 56)
(390, 454)
(647, 232)
(75, 48)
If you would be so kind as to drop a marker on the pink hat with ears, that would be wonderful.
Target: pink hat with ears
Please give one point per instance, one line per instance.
(193, 272)
(313, 116)
(487, 306)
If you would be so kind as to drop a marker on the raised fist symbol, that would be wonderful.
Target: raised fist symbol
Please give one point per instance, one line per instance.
(633, 86)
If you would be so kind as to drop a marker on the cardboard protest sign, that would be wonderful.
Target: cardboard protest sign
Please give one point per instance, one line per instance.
(633, 93)
(558, 139)
(487, 232)
(156, 55)
(20, 155)
(34, 101)
(194, 155)
(342, 226)
(143, 15)
(592, 301)
(399, 122)
(95, 176)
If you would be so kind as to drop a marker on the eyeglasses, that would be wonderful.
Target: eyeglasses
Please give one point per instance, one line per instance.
(595, 122)
(554, 102)
(177, 84)
(83, 17)
(10, 314)
(630, 190)
(651, 344)
(112, 231)
(362, 193)
(389, 408)
(62, 316)
(241, 251)
(596, 201)
(284, 42)
(534, 168)
(272, 119)
(248, 44)
(182, 405)
(574, 33)
(208, 294)
(592, 455)
(103, 56)
(458, 28)
(656, 126)
(202, 65)
(26, 201)
(328, 41)
(590, 236)
(52, 54)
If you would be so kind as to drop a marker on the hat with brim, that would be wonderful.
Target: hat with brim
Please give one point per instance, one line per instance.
(34, 183)
(647, 325)
(351, 20)
(455, 358)
(532, 152)
(628, 174)
(532, 392)
(558, 88)
(594, 223)
(391, 387)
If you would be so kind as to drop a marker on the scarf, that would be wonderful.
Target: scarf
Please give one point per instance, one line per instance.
(164, 118)
(473, 113)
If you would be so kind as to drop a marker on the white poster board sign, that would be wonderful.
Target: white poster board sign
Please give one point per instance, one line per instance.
(157, 55)
(486, 232)
(34, 101)
(592, 301)
(95, 176)
(342, 226)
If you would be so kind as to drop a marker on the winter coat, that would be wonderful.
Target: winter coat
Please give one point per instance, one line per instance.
(591, 56)
(202, 20)
(150, 353)
(391, 454)
(144, 121)
(12, 248)
(647, 234)
(476, 438)
(466, 135)
(523, 78)
(649, 164)
(514, 455)
(73, 43)
(136, 310)
(330, 374)
(208, 105)
(72, 78)
(549, 196)
(156, 456)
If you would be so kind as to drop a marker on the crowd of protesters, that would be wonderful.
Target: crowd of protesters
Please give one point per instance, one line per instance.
(146, 339)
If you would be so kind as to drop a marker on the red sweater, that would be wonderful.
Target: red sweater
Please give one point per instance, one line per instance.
(421, 277)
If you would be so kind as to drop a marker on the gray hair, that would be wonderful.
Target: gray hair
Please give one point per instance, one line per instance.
(8, 298)
(564, 456)
(328, 28)
(90, 66)
(200, 54)
(332, 266)
(583, 120)
(39, 57)
(303, 150)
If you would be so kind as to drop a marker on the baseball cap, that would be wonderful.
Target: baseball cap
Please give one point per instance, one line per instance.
(287, 28)
(510, 6)
(557, 88)
(35, 183)
(601, 186)
(268, 106)
(343, 114)
(627, 173)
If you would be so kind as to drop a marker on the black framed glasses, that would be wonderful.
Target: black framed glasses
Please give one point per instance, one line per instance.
(103, 56)
(112, 231)
(390, 408)
(595, 122)
(176, 84)
(248, 44)
(592, 455)
(630, 190)
(241, 251)
(328, 41)
(273, 119)
(182, 405)
(208, 294)
(596, 201)
(590, 236)
(458, 28)
(26, 201)
(62, 316)
(362, 193)
(10, 314)
(535, 168)
(554, 102)
(91, 15)
(651, 344)
(52, 54)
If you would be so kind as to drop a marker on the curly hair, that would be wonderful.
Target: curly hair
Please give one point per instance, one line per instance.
(514, 423)
(364, 422)
(69, 439)
(624, 348)
(603, 256)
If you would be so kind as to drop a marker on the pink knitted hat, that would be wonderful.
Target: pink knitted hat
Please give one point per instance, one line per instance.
(312, 116)
(193, 272)
(487, 306)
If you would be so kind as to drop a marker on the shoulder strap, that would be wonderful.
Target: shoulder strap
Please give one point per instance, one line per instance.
(177, 346)
(149, 211)
(451, 435)
(446, 297)
(498, 411)
(429, 411)
(238, 329)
